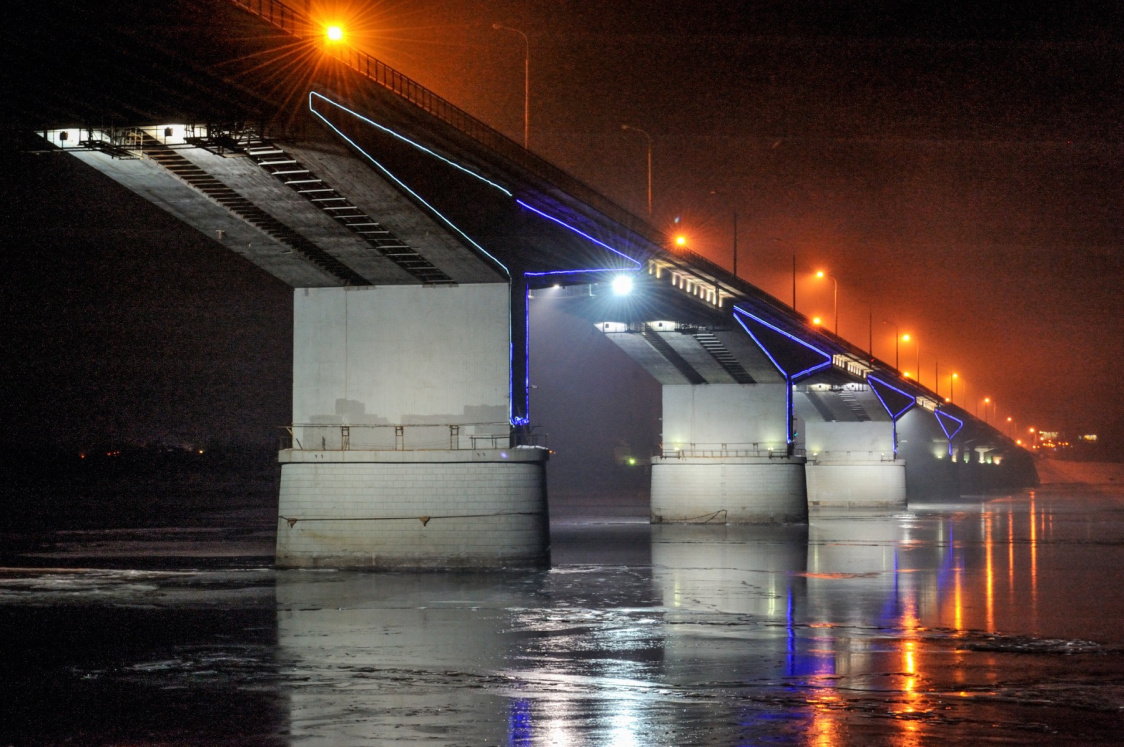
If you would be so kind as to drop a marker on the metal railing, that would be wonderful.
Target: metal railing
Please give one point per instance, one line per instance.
(772, 450)
(842, 457)
(379, 72)
(410, 437)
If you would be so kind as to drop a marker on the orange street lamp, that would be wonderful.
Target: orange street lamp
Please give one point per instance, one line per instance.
(835, 306)
(334, 32)
(817, 321)
(952, 388)
(681, 240)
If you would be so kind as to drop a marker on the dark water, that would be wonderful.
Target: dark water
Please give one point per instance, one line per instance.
(995, 620)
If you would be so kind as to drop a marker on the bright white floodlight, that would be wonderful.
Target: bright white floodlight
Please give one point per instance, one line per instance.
(622, 285)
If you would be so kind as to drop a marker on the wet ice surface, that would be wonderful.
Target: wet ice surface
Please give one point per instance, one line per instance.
(983, 620)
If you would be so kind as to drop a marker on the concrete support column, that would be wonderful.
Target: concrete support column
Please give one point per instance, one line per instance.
(413, 510)
(725, 457)
(401, 455)
(853, 466)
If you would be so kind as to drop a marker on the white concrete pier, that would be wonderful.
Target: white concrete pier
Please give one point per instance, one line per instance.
(413, 509)
(725, 458)
(402, 453)
(853, 466)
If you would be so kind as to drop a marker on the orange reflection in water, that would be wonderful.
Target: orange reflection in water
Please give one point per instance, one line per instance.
(1033, 562)
(990, 574)
(958, 597)
(825, 720)
(1010, 558)
(913, 701)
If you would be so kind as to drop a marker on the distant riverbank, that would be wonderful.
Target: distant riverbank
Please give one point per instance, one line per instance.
(1055, 472)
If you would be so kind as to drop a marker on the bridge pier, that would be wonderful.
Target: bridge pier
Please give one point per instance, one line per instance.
(853, 465)
(402, 453)
(725, 458)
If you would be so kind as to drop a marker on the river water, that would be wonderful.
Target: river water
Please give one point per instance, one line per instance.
(980, 620)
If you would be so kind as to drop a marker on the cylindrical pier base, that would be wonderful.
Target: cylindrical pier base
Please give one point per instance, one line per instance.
(413, 510)
(732, 490)
(841, 486)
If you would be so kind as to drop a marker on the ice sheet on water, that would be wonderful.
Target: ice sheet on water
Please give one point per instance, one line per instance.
(98, 586)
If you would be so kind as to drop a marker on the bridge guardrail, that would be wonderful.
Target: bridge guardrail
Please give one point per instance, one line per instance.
(295, 22)
(842, 457)
(408, 437)
(772, 450)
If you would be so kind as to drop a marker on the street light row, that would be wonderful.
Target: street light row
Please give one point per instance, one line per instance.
(334, 33)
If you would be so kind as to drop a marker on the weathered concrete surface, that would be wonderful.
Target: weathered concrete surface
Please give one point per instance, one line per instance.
(413, 510)
(730, 490)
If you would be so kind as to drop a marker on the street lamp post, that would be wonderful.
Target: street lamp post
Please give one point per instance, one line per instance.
(526, 81)
(897, 332)
(794, 281)
(649, 139)
(735, 243)
(986, 403)
(835, 306)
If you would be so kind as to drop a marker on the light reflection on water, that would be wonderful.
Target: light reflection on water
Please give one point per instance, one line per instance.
(961, 621)
(867, 629)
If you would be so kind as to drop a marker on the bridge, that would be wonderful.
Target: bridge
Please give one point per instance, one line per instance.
(415, 237)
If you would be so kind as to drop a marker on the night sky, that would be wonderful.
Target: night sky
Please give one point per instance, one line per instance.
(957, 168)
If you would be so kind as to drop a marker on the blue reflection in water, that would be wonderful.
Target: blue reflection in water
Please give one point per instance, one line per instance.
(519, 731)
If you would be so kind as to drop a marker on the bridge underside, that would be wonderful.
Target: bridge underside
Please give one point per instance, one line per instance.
(413, 236)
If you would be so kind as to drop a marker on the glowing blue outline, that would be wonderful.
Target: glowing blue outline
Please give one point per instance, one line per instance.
(813, 348)
(403, 138)
(402, 184)
(789, 379)
(581, 233)
(577, 272)
(940, 422)
(526, 419)
(511, 344)
(904, 410)
(763, 348)
(893, 417)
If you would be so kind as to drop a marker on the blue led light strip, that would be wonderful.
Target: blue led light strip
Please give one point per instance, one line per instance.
(941, 420)
(526, 419)
(511, 346)
(813, 348)
(403, 138)
(789, 379)
(581, 233)
(764, 349)
(402, 184)
(893, 415)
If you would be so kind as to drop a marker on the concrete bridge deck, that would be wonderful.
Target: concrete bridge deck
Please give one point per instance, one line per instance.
(413, 235)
